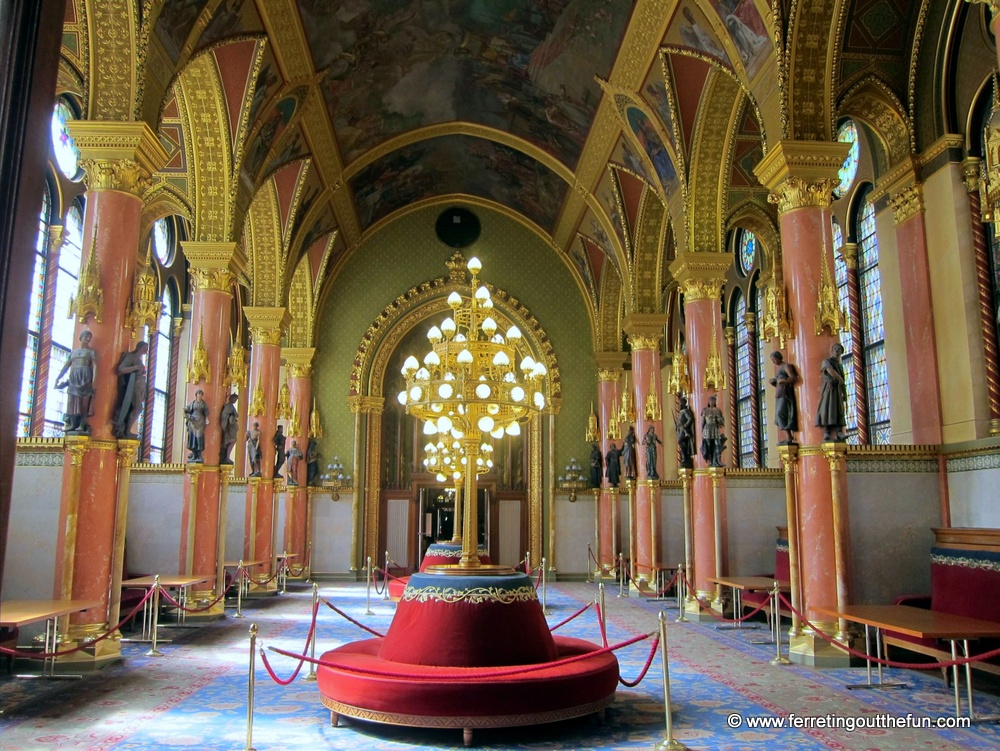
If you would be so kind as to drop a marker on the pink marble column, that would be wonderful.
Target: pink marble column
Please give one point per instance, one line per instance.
(118, 159)
(918, 323)
(801, 176)
(608, 382)
(214, 268)
(296, 538)
(266, 328)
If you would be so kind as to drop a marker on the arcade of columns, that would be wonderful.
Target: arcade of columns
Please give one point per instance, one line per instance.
(118, 159)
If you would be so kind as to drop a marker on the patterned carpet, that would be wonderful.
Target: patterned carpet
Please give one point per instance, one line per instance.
(195, 697)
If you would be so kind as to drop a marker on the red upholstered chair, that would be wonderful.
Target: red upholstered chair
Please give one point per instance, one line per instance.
(753, 600)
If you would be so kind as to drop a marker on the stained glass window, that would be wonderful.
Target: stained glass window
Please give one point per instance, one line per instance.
(747, 251)
(163, 242)
(67, 155)
(63, 328)
(37, 291)
(872, 326)
(161, 380)
(843, 297)
(847, 133)
(744, 406)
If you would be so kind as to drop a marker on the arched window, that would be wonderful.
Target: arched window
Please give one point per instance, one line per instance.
(847, 133)
(872, 325)
(29, 393)
(843, 297)
(763, 362)
(66, 153)
(158, 438)
(744, 387)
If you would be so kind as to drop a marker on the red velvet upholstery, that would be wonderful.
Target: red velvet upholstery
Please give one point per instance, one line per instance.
(753, 600)
(438, 554)
(577, 684)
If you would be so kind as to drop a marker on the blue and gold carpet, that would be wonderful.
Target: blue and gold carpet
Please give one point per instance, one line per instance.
(195, 696)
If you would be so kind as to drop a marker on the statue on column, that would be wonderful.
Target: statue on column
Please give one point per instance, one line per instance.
(628, 454)
(196, 414)
(279, 451)
(684, 424)
(713, 441)
(786, 409)
(131, 372)
(294, 456)
(82, 367)
(649, 441)
(312, 462)
(613, 464)
(832, 411)
(596, 465)
(229, 422)
(254, 450)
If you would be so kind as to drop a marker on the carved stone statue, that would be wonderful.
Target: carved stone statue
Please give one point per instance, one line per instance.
(613, 463)
(786, 408)
(649, 441)
(82, 367)
(294, 456)
(713, 442)
(312, 463)
(196, 415)
(131, 372)
(628, 454)
(229, 423)
(279, 451)
(596, 465)
(832, 410)
(684, 424)
(253, 449)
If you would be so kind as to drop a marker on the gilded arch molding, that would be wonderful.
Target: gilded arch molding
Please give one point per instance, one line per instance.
(429, 299)
(610, 307)
(751, 215)
(650, 230)
(809, 54)
(872, 102)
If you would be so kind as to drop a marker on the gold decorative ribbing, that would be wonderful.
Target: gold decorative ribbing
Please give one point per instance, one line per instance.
(199, 368)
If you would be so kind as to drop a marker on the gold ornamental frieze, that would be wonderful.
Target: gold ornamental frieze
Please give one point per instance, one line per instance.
(701, 274)
(907, 203)
(117, 155)
(797, 193)
(604, 375)
(267, 325)
(214, 265)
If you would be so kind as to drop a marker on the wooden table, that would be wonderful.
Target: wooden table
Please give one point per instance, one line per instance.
(922, 624)
(17, 613)
(244, 583)
(740, 584)
(151, 613)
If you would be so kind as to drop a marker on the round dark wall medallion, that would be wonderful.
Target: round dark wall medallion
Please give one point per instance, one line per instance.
(457, 227)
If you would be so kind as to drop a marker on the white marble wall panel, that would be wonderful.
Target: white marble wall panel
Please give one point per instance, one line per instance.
(672, 535)
(30, 558)
(574, 529)
(236, 510)
(891, 516)
(331, 534)
(755, 509)
(972, 490)
(153, 532)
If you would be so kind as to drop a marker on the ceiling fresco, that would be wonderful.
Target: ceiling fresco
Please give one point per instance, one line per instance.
(458, 164)
(520, 66)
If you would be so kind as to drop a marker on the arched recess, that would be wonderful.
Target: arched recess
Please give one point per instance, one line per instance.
(751, 215)
(412, 312)
(159, 201)
(709, 183)
(651, 227)
(873, 103)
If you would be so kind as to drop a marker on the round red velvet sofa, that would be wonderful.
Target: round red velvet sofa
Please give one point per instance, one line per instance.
(438, 554)
(454, 657)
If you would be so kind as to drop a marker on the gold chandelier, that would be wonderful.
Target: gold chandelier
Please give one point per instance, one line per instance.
(469, 385)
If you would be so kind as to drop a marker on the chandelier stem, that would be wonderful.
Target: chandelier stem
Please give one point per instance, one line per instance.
(470, 528)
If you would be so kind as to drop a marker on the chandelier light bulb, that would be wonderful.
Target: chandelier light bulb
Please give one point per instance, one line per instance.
(454, 301)
(487, 304)
(489, 326)
(448, 326)
(474, 265)
(402, 398)
(436, 407)
(539, 400)
(456, 475)
(456, 433)
(513, 429)
(517, 394)
(410, 365)
(441, 477)
(434, 335)
(445, 390)
(513, 333)
(493, 409)
(460, 338)
(539, 370)
(423, 375)
(431, 359)
(483, 391)
(447, 460)
(464, 357)
(497, 339)
(430, 428)
(482, 294)
(485, 448)
(509, 377)
(501, 360)
(527, 364)
(486, 423)
(415, 393)
(430, 448)
(480, 462)
(489, 463)
(465, 460)
(444, 424)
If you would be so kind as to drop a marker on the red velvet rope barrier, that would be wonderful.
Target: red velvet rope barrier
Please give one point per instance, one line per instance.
(89, 642)
(597, 563)
(666, 586)
(886, 662)
(298, 668)
(305, 563)
(578, 613)
(645, 668)
(716, 616)
(538, 579)
(463, 676)
(600, 622)
(346, 617)
(203, 608)
(375, 581)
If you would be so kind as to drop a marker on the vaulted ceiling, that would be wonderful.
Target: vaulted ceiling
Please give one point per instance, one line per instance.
(570, 115)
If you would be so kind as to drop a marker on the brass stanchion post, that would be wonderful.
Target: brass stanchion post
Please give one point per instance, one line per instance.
(622, 576)
(681, 594)
(240, 583)
(385, 579)
(250, 682)
(368, 586)
(669, 743)
(545, 578)
(312, 644)
(153, 651)
(778, 659)
(590, 577)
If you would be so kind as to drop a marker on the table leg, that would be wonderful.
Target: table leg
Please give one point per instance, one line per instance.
(868, 664)
(954, 678)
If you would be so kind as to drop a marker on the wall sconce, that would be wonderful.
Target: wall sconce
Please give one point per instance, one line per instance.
(335, 480)
(575, 479)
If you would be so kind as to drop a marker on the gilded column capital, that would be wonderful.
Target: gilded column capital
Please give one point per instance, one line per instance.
(214, 265)
(907, 203)
(128, 450)
(971, 171)
(750, 318)
(835, 453)
(730, 333)
(76, 447)
(800, 174)
(789, 457)
(267, 325)
(366, 405)
(299, 360)
(701, 275)
(56, 237)
(604, 375)
(611, 362)
(117, 155)
(849, 251)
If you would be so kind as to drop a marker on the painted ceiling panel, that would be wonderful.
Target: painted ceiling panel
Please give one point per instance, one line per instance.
(267, 84)
(746, 31)
(174, 24)
(654, 92)
(235, 62)
(520, 66)
(596, 256)
(691, 29)
(581, 260)
(632, 188)
(607, 194)
(231, 18)
(593, 231)
(286, 181)
(463, 165)
(693, 73)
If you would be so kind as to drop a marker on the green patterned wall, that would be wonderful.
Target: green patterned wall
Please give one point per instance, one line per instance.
(406, 253)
